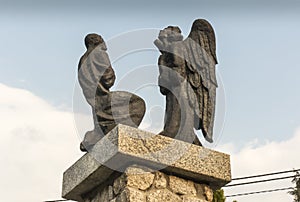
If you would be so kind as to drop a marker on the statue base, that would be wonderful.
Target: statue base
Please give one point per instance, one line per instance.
(130, 165)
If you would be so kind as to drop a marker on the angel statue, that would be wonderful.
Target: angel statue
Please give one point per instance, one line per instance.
(188, 80)
(109, 108)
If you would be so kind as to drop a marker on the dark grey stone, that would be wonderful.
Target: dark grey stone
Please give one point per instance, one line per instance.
(96, 76)
(188, 80)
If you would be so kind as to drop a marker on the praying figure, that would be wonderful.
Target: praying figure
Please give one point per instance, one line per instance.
(109, 108)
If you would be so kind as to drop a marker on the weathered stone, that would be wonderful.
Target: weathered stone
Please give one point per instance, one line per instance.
(137, 169)
(200, 190)
(139, 178)
(160, 181)
(208, 193)
(190, 105)
(110, 192)
(192, 199)
(104, 195)
(95, 198)
(96, 76)
(119, 184)
(122, 197)
(182, 186)
(162, 195)
(86, 174)
(131, 195)
(204, 192)
(126, 145)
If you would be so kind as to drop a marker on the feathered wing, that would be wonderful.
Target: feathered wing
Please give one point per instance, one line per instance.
(200, 57)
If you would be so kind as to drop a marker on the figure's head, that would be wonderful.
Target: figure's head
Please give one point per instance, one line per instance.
(93, 40)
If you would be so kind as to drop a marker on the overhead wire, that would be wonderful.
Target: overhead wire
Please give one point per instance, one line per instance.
(259, 192)
(260, 181)
(267, 174)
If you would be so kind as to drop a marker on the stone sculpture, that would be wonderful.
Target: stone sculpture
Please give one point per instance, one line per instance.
(188, 80)
(128, 164)
(96, 76)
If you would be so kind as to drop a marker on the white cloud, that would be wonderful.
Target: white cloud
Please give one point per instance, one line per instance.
(37, 143)
(259, 159)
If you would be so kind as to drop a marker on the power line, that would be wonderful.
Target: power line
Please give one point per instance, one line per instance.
(259, 192)
(57, 200)
(259, 181)
(267, 174)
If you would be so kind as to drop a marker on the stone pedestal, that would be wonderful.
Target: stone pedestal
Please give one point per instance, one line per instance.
(130, 165)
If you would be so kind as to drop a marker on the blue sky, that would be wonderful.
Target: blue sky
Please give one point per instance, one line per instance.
(258, 48)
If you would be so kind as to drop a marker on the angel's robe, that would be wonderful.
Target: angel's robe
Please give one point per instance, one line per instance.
(179, 116)
(190, 99)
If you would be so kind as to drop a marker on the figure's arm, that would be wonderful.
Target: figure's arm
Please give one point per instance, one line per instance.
(108, 78)
(102, 70)
(159, 44)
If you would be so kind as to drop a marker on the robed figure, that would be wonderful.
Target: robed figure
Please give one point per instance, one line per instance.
(109, 108)
(188, 80)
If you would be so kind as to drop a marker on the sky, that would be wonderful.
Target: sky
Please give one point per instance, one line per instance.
(257, 120)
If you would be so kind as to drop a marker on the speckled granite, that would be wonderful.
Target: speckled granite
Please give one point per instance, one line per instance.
(125, 146)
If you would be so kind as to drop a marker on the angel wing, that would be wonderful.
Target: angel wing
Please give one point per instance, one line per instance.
(200, 60)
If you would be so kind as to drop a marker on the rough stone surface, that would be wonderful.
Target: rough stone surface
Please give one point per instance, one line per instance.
(160, 180)
(209, 195)
(125, 146)
(110, 192)
(182, 186)
(163, 195)
(124, 189)
(176, 156)
(192, 199)
(119, 184)
(104, 196)
(131, 194)
(83, 176)
(138, 178)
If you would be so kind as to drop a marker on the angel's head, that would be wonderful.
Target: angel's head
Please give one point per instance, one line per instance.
(93, 40)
